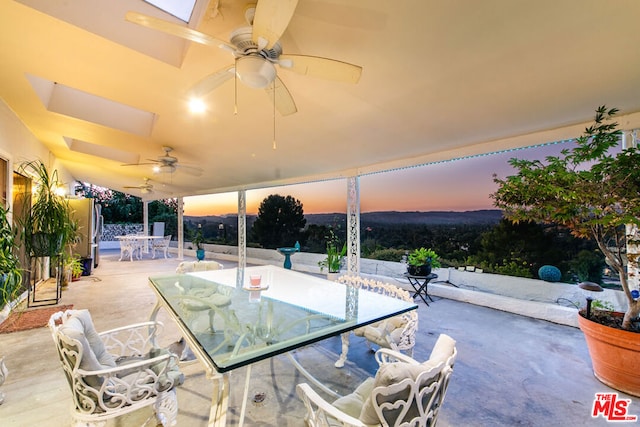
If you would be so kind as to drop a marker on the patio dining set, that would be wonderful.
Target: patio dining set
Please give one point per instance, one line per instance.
(135, 245)
(283, 311)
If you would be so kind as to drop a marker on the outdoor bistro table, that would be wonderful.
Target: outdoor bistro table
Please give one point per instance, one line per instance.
(420, 284)
(286, 311)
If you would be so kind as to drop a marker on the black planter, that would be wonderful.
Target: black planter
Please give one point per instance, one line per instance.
(86, 266)
(420, 270)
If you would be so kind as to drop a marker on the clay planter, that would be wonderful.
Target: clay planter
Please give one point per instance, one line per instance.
(614, 355)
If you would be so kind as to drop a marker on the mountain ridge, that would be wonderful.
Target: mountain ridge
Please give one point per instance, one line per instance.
(481, 216)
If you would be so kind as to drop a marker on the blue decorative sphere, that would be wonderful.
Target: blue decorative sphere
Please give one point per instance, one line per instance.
(549, 273)
(635, 294)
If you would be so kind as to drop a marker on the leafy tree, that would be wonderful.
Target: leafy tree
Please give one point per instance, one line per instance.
(587, 189)
(165, 210)
(280, 222)
(588, 266)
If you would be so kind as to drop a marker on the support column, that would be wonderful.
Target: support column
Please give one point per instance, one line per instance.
(632, 234)
(180, 228)
(145, 225)
(242, 235)
(353, 225)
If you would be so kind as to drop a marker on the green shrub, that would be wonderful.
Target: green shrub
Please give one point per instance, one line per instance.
(393, 255)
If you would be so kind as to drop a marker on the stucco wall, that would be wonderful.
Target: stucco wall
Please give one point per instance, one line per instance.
(18, 144)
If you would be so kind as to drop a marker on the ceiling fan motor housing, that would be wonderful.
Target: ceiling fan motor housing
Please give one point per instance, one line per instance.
(254, 67)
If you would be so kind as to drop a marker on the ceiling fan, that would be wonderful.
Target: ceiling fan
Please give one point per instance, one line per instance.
(257, 50)
(167, 163)
(145, 188)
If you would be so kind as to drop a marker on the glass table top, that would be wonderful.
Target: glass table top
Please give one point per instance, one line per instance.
(233, 324)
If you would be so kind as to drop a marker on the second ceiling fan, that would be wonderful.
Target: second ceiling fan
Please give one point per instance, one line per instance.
(257, 50)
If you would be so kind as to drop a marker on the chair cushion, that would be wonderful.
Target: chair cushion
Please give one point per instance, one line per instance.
(377, 332)
(189, 266)
(94, 354)
(393, 373)
(351, 404)
(442, 350)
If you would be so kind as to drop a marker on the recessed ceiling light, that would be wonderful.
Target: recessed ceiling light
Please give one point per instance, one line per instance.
(197, 105)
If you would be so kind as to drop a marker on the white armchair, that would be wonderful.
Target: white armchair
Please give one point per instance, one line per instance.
(396, 333)
(161, 245)
(115, 372)
(404, 392)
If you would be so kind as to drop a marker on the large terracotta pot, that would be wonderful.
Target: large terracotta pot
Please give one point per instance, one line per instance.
(615, 355)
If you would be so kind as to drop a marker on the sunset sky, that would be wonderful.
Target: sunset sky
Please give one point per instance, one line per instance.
(458, 185)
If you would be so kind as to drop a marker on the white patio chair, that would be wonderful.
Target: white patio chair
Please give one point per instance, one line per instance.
(129, 248)
(404, 392)
(198, 297)
(115, 372)
(190, 266)
(161, 245)
(396, 333)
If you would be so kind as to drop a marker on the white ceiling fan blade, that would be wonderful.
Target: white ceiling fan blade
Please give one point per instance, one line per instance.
(271, 20)
(324, 68)
(141, 164)
(212, 81)
(177, 30)
(284, 101)
(191, 170)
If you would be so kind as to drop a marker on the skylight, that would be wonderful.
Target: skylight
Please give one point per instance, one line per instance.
(181, 9)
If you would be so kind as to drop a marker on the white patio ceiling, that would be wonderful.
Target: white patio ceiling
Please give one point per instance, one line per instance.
(440, 80)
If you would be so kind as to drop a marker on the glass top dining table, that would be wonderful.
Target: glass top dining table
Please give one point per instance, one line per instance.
(287, 310)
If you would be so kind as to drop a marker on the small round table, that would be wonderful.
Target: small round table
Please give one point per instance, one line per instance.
(419, 284)
(287, 252)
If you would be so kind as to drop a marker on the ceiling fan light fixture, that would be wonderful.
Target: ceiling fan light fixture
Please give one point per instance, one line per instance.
(164, 168)
(255, 71)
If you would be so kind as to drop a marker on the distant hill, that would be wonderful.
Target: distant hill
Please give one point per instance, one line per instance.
(424, 218)
(487, 216)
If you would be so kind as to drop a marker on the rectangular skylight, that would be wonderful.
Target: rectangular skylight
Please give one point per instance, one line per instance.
(72, 102)
(181, 9)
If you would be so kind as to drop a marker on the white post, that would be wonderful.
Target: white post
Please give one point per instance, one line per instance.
(242, 235)
(353, 225)
(180, 228)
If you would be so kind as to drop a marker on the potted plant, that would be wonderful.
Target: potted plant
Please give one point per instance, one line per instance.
(594, 194)
(421, 261)
(77, 268)
(335, 257)
(197, 240)
(10, 271)
(47, 224)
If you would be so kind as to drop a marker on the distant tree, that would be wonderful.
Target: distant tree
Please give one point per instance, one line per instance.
(280, 222)
(165, 210)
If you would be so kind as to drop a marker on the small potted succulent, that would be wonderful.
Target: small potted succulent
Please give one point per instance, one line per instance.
(421, 261)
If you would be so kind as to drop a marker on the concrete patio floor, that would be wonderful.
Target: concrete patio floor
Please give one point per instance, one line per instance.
(511, 370)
